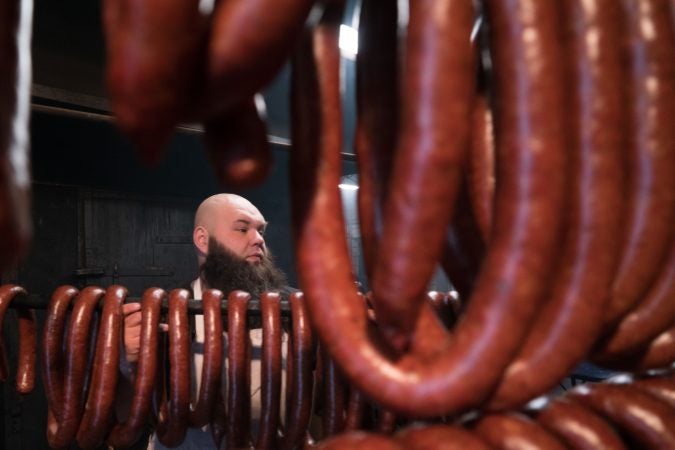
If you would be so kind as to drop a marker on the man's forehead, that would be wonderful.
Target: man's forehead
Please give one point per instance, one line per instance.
(246, 214)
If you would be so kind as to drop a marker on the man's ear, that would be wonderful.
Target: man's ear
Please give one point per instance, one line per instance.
(200, 237)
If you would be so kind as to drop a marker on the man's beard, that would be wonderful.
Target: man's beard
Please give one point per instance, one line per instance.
(227, 272)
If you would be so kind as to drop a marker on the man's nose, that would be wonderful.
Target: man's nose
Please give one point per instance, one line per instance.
(258, 238)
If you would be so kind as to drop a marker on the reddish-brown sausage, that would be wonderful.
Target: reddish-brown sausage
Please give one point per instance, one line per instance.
(658, 354)
(356, 406)
(481, 166)
(218, 420)
(249, 43)
(299, 380)
(77, 356)
(516, 270)
(238, 372)
(236, 142)
(439, 437)
(271, 371)
(155, 54)
(98, 410)
(52, 353)
(213, 359)
(514, 431)
(173, 414)
(126, 433)
(651, 153)
(578, 426)
(16, 21)
(438, 84)
(359, 440)
(25, 371)
(661, 387)
(580, 290)
(333, 396)
(647, 420)
(376, 118)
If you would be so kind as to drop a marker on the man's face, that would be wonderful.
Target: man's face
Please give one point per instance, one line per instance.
(240, 228)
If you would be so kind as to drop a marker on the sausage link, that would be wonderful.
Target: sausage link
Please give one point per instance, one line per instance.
(98, 410)
(356, 406)
(581, 287)
(514, 274)
(299, 385)
(648, 421)
(653, 316)
(377, 103)
(25, 371)
(151, 75)
(74, 386)
(126, 433)
(333, 396)
(16, 22)
(359, 440)
(439, 437)
(236, 142)
(661, 387)
(238, 372)
(481, 166)
(579, 427)
(651, 153)
(271, 371)
(438, 89)
(213, 359)
(658, 354)
(173, 414)
(514, 431)
(249, 43)
(52, 352)
(218, 420)
(386, 422)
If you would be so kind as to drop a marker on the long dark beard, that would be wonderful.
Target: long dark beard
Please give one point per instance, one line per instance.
(227, 272)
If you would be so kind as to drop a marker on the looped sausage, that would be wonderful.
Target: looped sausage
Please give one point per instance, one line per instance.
(300, 363)
(63, 432)
(580, 290)
(152, 75)
(439, 437)
(128, 432)
(661, 387)
(238, 372)
(173, 414)
(52, 352)
(359, 440)
(332, 396)
(271, 371)
(356, 407)
(647, 420)
(213, 359)
(651, 153)
(578, 426)
(16, 22)
(435, 129)
(463, 368)
(514, 431)
(98, 410)
(25, 373)
(376, 117)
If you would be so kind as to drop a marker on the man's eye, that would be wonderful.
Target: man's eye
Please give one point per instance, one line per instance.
(242, 230)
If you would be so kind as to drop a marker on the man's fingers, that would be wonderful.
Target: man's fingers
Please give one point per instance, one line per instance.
(129, 308)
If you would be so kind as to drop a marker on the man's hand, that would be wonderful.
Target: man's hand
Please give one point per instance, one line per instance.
(132, 331)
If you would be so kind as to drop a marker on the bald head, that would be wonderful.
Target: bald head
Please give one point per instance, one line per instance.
(234, 222)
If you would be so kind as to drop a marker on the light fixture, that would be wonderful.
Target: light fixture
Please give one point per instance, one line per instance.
(349, 41)
(348, 187)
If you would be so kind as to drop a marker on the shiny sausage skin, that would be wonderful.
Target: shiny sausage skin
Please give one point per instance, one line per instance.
(218, 420)
(77, 345)
(52, 353)
(651, 153)
(661, 387)
(516, 269)
(249, 43)
(386, 422)
(16, 22)
(481, 166)
(514, 431)
(238, 425)
(128, 432)
(173, 414)
(359, 440)
(299, 375)
(653, 316)
(658, 354)
(356, 406)
(25, 372)
(213, 359)
(648, 421)
(377, 103)
(580, 290)
(151, 74)
(333, 397)
(439, 437)
(98, 409)
(578, 427)
(438, 90)
(271, 371)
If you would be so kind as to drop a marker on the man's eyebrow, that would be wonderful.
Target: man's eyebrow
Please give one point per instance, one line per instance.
(248, 222)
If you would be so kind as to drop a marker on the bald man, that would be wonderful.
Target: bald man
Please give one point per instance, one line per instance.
(228, 236)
